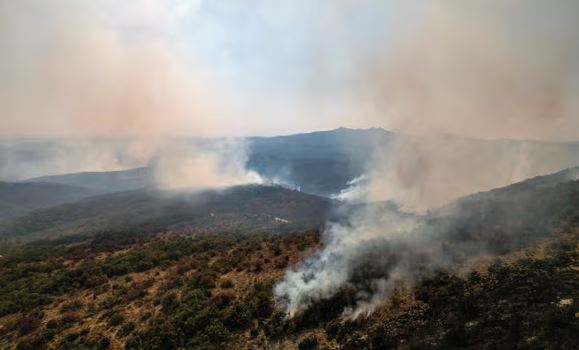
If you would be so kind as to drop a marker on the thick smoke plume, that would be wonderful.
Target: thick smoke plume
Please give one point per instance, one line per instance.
(481, 69)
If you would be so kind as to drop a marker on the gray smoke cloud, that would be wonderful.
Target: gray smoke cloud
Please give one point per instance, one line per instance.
(479, 69)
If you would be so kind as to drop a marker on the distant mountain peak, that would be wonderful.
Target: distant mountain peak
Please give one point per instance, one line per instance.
(370, 129)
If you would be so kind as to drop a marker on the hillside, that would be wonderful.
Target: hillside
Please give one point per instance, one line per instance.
(20, 198)
(237, 209)
(513, 216)
(188, 288)
(320, 162)
(105, 181)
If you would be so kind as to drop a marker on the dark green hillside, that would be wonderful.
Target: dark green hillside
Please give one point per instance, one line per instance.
(18, 198)
(237, 209)
(106, 181)
(320, 162)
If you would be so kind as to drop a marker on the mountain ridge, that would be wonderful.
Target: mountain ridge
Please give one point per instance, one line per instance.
(324, 162)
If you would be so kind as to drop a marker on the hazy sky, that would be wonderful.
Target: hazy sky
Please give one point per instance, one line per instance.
(239, 67)
(181, 66)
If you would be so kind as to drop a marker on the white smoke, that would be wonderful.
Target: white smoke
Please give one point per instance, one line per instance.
(346, 248)
(204, 164)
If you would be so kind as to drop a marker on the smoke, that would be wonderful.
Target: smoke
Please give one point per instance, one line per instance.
(25, 159)
(428, 171)
(69, 69)
(204, 164)
(479, 69)
(79, 70)
(483, 69)
(347, 248)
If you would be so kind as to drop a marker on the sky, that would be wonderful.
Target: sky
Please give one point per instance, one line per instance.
(244, 67)
(148, 68)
